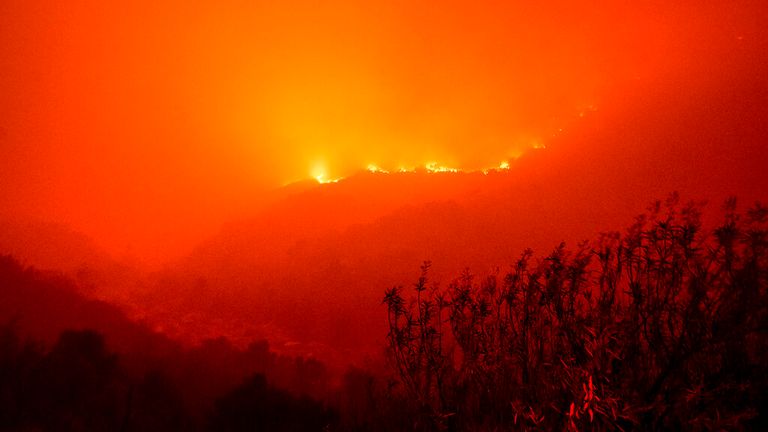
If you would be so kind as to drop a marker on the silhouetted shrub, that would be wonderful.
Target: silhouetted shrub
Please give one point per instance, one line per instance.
(663, 327)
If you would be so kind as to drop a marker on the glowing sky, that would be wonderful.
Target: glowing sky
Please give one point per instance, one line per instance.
(148, 123)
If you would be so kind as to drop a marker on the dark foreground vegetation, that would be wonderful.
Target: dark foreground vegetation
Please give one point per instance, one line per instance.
(79, 385)
(107, 373)
(664, 327)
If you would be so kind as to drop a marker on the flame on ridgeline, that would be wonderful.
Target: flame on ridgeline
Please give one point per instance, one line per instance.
(323, 180)
(376, 169)
(319, 174)
(429, 168)
(433, 167)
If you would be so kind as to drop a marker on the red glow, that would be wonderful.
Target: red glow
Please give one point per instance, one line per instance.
(229, 172)
(147, 125)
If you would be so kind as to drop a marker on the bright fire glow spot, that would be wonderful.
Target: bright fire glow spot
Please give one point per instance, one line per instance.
(319, 174)
(503, 166)
(375, 169)
(322, 180)
(433, 167)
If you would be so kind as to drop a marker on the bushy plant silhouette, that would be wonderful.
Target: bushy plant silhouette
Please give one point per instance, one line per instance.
(662, 327)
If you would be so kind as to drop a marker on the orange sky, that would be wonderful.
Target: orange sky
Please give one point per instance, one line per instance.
(147, 124)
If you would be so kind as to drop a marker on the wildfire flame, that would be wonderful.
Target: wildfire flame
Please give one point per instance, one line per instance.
(376, 169)
(322, 180)
(429, 168)
(433, 167)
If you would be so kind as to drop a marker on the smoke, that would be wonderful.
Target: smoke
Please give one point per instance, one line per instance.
(146, 125)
